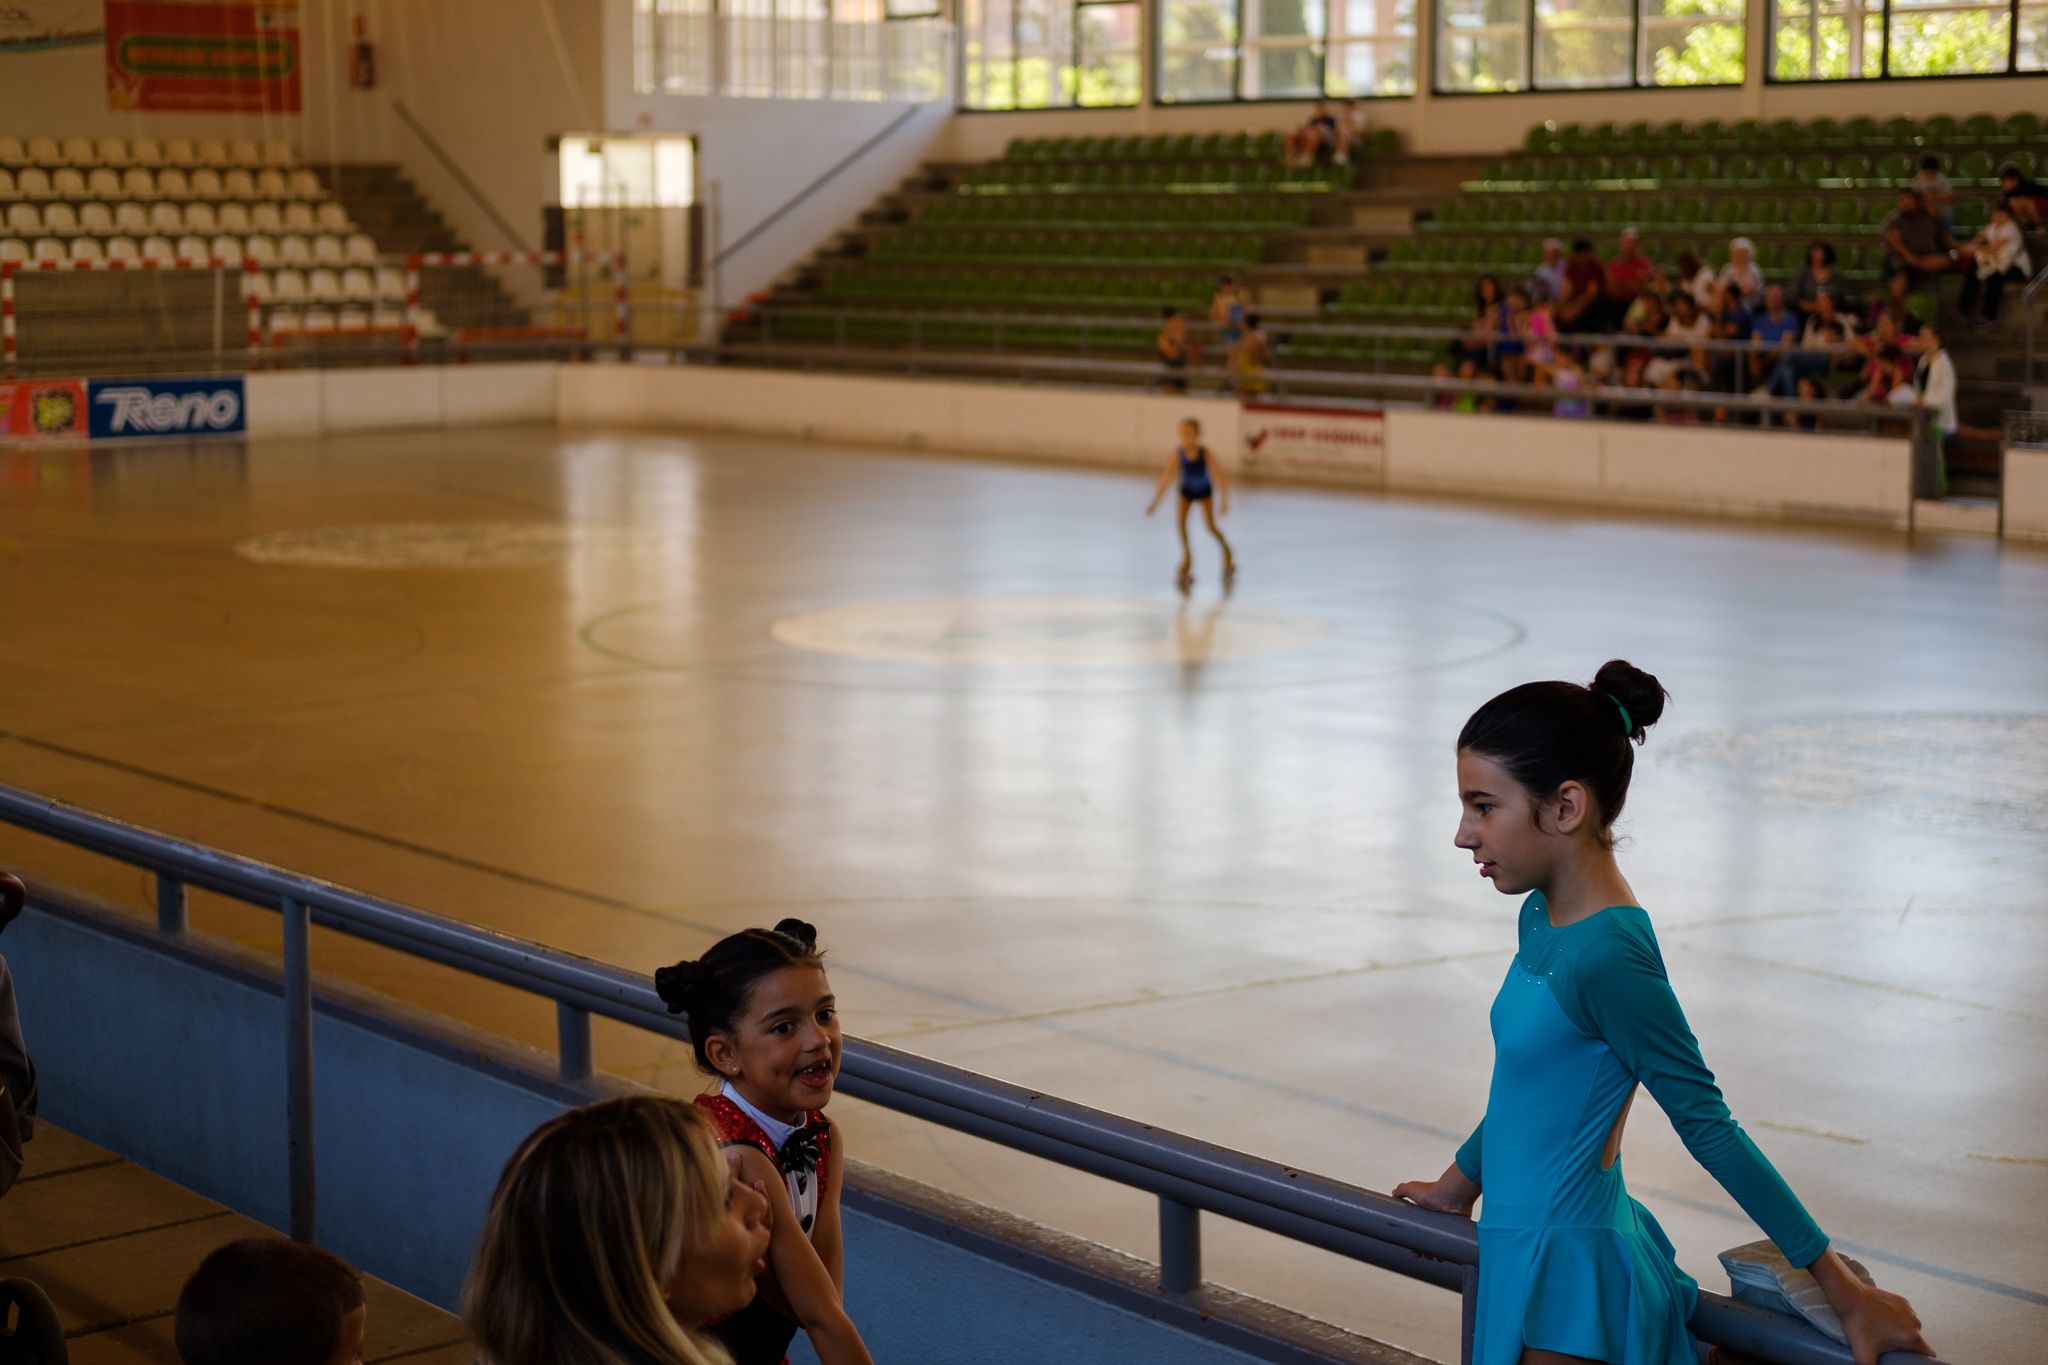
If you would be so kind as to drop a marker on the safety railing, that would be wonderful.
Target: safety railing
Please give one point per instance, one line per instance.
(2030, 304)
(1187, 1176)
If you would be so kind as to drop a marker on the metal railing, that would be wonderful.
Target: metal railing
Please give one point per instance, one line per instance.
(1187, 1176)
(2029, 305)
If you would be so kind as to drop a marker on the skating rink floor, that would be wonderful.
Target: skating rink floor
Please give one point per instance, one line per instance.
(1189, 861)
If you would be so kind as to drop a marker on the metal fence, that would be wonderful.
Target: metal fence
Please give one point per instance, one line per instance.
(1187, 1176)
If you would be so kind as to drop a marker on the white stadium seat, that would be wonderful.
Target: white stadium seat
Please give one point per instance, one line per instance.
(79, 151)
(138, 183)
(266, 218)
(123, 249)
(50, 249)
(320, 320)
(97, 219)
(294, 251)
(332, 218)
(6, 183)
(13, 249)
(238, 184)
(166, 217)
(178, 151)
(60, 220)
(353, 320)
(13, 151)
(145, 151)
(306, 185)
(212, 151)
(156, 248)
(199, 218)
(288, 286)
(299, 218)
(358, 286)
(193, 249)
(391, 283)
(257, 285)
(206, 184)
(104, 184)
(273, 184)
(244, 152)
(131, 218)
(387, 319)
(66, 183)
(24, 220)
(286, 322)
(277, 152)
(323, 286)
(172, 183)
(361, 248)
(44, 151)
(226, 248)
(234, 218)
(33, 183)
(260, 249)
(327, 249)
(87, 249)
(113, 152)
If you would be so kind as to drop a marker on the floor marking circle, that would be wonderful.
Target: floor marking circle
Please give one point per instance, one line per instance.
(436, 545)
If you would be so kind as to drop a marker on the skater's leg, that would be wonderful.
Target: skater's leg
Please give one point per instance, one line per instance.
(1187, 553)
(1209, 516)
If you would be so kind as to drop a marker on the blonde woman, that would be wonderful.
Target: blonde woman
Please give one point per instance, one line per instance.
(616, 1233)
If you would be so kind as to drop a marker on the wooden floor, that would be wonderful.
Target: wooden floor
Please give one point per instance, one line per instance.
(1186, 860)
(112, 1244)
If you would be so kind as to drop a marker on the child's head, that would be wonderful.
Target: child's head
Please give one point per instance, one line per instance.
(616, 1231)
(268, 1301)
(762, 1015)
(1543, 772)
(1930, 162)
(1190, 432)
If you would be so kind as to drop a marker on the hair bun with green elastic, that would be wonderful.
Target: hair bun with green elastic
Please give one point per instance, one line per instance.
(1638, 696)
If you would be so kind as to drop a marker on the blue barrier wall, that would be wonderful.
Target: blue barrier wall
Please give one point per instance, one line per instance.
(169, 1050)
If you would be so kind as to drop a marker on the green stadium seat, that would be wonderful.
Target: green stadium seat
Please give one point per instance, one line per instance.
(1632, 168)
(1572, 138)
(1777, 169)
(1820, 132)
(1688, 211)
(2023, 160)
(1743, 135)
(1674, 136)
(1539, 140)
(1269, 145)
(1701, 167)
(1898, 131)
(1604, 137)
(1939, 131)
(1786, 134)
(1854, 167)
(1638, 137)
(1861, 131)
(1846, 211)
(1813, 169)
(1669, 169)
(1652, 212)
(1977, 168)
(1803, 213)
(1970, 215)
(1893, 168)
(2020, 128)
(1739, 170)
(1709, 132)
(1980, 128)
(1767, 214)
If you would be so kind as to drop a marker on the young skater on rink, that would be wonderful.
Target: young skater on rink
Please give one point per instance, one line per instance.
(1201, 480)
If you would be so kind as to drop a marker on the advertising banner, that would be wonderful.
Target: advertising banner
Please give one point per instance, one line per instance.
(132, 409)
(38, 25)
(204, 56)
(1327, 444)
(42, 410)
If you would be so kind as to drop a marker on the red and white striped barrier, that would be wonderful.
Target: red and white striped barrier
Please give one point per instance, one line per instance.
(9, 344)
(415, 263)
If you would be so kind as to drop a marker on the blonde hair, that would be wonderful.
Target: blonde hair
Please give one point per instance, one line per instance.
(586, 1231)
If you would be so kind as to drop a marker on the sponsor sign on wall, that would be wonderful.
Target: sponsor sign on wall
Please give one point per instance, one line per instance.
(132, 409)
(42, 410)
(204, 56)
(37, 25)
(1328, 444)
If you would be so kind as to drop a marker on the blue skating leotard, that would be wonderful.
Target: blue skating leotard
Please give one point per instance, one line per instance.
(1194, 473)
(1568, 1262)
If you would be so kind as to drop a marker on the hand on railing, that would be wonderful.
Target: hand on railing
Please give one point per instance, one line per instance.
(13, 897)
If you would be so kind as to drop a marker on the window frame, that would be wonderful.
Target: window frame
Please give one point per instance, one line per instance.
(1075, 7)
(1883, 10)
(1320, 45)
(653, 64)
(1635, 83)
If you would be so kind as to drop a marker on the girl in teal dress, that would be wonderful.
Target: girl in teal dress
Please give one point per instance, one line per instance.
(1571, 1269)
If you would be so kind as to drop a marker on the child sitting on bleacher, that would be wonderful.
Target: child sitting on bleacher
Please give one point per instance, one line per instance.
(269, 1301)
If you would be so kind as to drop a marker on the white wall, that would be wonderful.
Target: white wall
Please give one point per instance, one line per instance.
(2025, 495)
(317, 402)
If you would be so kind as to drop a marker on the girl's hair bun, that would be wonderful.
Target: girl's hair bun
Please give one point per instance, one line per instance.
(1639, 693)
(675, 985)
(801, 932)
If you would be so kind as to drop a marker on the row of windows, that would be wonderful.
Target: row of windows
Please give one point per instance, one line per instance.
(1050, 54)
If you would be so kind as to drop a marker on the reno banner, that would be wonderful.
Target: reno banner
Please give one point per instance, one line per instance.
(37, 25)
(132, 409)
(1325, 444)
(42, 410)
(203, 56)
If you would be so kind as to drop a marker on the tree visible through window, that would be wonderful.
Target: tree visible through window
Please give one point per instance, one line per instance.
(1836, 40)
(1213, 50)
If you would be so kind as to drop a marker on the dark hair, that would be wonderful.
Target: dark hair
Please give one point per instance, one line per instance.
(1826, 250)
(1581, 244)
(1190, 421)
(1930, 162)
(1168, 314)
(265, 1301)
(2002, 204)
(1251, 321)
(2010, 172)
(1520, 291)
(713, 990)
(1549, 733)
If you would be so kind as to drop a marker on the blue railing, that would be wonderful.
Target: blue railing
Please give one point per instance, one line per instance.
(1187, 1176)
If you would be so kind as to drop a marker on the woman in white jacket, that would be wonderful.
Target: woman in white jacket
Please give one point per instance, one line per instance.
(2000, 254)
(1933, 390)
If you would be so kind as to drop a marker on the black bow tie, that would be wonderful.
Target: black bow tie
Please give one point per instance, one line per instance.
(800, 1151)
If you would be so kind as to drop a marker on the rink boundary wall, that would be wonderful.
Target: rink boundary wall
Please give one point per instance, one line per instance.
(163, 1048)
(1790, 476)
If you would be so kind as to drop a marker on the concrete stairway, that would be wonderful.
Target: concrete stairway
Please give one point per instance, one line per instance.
(386, 204)
(112, 1244)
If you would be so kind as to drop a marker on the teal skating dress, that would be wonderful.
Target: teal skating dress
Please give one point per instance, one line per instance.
(1567, 1261)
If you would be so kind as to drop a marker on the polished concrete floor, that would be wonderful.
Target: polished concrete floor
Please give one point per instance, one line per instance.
(1188, 861)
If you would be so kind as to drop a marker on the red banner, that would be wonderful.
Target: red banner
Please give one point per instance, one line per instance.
(204, 56)
(42, 410)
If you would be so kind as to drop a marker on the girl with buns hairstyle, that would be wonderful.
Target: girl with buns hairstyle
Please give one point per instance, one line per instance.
(763, 1020)
(1571, 1269)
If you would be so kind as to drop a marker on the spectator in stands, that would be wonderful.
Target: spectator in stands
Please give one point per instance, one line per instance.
(1740, 277)
(2029, 198)
(1932, 389)
(1352, 127)
(1935, 192)
(1314, 139)
(1513, 346)
(1547, 280)
(1916, 246)
(1998, 255)
(1772, 330)
(1822, 339)
(1886, 373)
(268, 1301)
(1174, 350)
(1655, 293)
(1686, 324)
(1647, 322)
(1539, 337)
(1249, 358)
(1626, 274)
(1818, 277)
(616, 1233)
(1226, 312)
(1485, 327)
(1578, 308)
(1696, 278)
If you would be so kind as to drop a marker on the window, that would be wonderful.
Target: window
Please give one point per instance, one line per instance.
(1048, 54)
(1284, 49)
(627, 172)
(1836, 40)
(1485, 46)
(790, 49)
